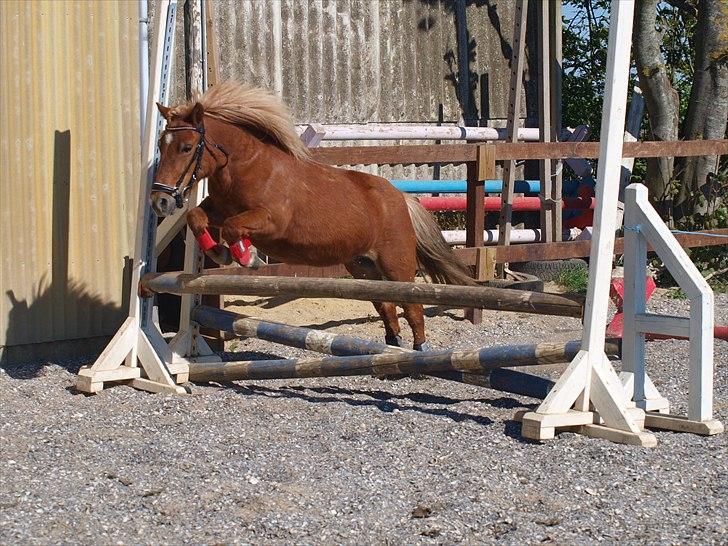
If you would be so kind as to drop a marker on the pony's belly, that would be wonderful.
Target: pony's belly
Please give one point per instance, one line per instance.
(310, 254)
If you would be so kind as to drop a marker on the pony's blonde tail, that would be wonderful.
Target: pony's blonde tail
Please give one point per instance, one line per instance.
(433, 253)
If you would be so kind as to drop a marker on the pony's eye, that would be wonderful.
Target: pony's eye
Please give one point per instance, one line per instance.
(186, 148)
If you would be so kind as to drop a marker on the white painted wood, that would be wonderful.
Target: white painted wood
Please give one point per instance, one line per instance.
(155, 369)
(590, 377)
(700, 399)
(490, 236)
(313, 134)
(650, 323)
(119, 347)
(194, 258)
(396, 131)
(568, 387)
(610, 158)
(169, 228)
(700, 330)
(609, 398)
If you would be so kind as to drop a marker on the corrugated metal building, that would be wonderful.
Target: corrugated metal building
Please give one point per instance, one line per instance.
(69, 140)
(69, 148)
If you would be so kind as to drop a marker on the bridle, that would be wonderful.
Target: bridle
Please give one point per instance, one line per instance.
(177, 191)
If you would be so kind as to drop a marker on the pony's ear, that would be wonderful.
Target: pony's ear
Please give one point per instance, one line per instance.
(165, 111)
(198, 111)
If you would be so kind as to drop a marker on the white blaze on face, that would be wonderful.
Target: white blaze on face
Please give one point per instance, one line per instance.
(168, 138)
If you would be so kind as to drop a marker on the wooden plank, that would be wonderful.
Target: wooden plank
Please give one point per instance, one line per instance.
(474, 221)
(544, 122)
(514, 112)
(461, 153)
(555, 67)
(357, 289)
(565, 250)
(426, 362)
(396, 155)
(283, 270)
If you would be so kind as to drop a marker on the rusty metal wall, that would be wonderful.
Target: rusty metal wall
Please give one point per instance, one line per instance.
(69, 149)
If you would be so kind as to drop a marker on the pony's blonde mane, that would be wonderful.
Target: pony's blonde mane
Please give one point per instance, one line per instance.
(253, 108)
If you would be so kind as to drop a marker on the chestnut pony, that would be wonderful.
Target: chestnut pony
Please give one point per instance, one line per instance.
(264, 187)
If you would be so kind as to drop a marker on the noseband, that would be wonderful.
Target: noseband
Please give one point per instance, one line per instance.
(177, 191)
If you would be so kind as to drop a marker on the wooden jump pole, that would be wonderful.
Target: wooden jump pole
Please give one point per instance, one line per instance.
(291, 336)
(500, 299)
(426, 362)
(502, 379)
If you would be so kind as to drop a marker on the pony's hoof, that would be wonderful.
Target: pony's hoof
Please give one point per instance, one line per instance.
(393, 341)
(424, 346)
(220, 255)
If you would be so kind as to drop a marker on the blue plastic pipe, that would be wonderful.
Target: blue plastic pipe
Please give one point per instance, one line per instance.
(459, 186)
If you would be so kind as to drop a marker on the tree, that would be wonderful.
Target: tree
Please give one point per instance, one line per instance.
(707, 111)
(681, 57)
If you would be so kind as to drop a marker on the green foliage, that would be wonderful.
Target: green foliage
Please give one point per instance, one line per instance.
(711, 213)
(574, 280)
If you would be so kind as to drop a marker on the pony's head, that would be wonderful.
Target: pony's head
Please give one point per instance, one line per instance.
(184, 157)
(185, 152)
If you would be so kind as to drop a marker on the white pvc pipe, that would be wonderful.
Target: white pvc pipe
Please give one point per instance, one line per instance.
(418, 132)
(143, 65)
(490, 236)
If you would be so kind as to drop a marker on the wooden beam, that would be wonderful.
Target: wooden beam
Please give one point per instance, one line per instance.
(396, 155)
(514, 113)
(535, 252)
(544, 122)
(462, 153)
(356, 289)
(429, 362)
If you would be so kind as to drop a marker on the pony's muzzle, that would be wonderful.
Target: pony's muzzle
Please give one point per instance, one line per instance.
(163, 204)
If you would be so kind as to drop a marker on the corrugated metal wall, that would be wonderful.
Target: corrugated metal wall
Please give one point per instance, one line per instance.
(69, 148)
(359, 61)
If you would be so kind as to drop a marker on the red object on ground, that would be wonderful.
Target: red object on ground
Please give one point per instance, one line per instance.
(616, 327)
(493, 204)
(206, 241)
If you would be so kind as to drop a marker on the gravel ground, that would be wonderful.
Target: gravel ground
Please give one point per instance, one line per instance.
(348, 460)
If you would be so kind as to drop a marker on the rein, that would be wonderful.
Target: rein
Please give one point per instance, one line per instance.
(177, 191)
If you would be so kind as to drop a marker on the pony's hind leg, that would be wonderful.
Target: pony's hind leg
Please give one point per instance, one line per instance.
(399, 267)
(363, 268)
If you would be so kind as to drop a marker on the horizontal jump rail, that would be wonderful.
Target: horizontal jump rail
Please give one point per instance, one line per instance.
(461, 153)
(419, 132)
(501, 379)
(493, 204)
(461, 186)
(499, 299)
(291, 336)
(518, 236)
(581, 249)
(429, 362)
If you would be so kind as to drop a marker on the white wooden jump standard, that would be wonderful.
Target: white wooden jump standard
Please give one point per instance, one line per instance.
(643, 225)
(590, 381)
(138, 345)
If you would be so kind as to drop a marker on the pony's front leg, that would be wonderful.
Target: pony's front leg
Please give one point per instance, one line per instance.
(238, 230)
(199, 219)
